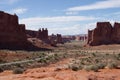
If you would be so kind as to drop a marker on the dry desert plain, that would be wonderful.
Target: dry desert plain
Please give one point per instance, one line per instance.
(69, 61)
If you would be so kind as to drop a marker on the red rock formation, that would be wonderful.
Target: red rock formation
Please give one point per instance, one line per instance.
(43, 34)
(12, 34)
(81, 38)
(59, 38)
(104, 33)
(40, 34)
(54, 39)
(31, 33)
(89, 36)
(116, 33)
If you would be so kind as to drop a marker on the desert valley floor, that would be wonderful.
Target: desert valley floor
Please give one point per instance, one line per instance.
(69, 61)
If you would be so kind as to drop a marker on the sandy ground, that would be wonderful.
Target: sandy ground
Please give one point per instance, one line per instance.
(58, 71)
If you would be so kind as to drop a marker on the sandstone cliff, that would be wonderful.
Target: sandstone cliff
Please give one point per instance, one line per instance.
(12, 34)
(104, 33)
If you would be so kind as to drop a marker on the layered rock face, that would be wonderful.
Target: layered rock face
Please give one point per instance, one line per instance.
(59, 38)
(89, 36)
(31, 33)
(54, 39)
(116, 33)
(12, 34)
(104, 33)
(81, 38)
(42, 34)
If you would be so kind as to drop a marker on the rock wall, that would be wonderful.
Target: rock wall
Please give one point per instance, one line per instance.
(59, 38)
(54, 39)
(42, 34)
(116, 33)
(31, 33)
(81, 38)
(104, 33)
(12, 34)
(89, 36)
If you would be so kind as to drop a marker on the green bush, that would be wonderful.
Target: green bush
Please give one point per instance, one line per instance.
(2, 61)
(94, 68)
(42, 55)
(101, 65)
(75, 67)
(118, 56)
(93, 54)
(112, 65)
(1, 70)
(43, 60)
(18, 71)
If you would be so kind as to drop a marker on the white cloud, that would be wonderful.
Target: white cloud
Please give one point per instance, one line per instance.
(71, 13)
(58, 24)
(98, 5)
(89, 26)
(19, 10)
(66, 30)
(74, 29)
(38, 20)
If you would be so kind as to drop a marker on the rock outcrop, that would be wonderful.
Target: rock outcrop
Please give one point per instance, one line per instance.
(12, 34)
(43, 34)
(40, 34)
(104, 33)
(55, 39)
(31, 33)
(81, 38)
(89, 36)
(59, 38)
(116, 33)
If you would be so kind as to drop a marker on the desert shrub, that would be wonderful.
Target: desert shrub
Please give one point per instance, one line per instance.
(94, 68)
(2, 61)
(56, 56)
(93, 54)
(96, 60)
(18, 71)
(101, 65)
(43, 60)
(1, 69)
(118, 56)
(87, 68)
(18, 65)
(76, 67)
(65, 55)
(112, 65)
(42, 55)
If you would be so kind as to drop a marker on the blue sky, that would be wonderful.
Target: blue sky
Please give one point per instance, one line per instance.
(67, 17)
